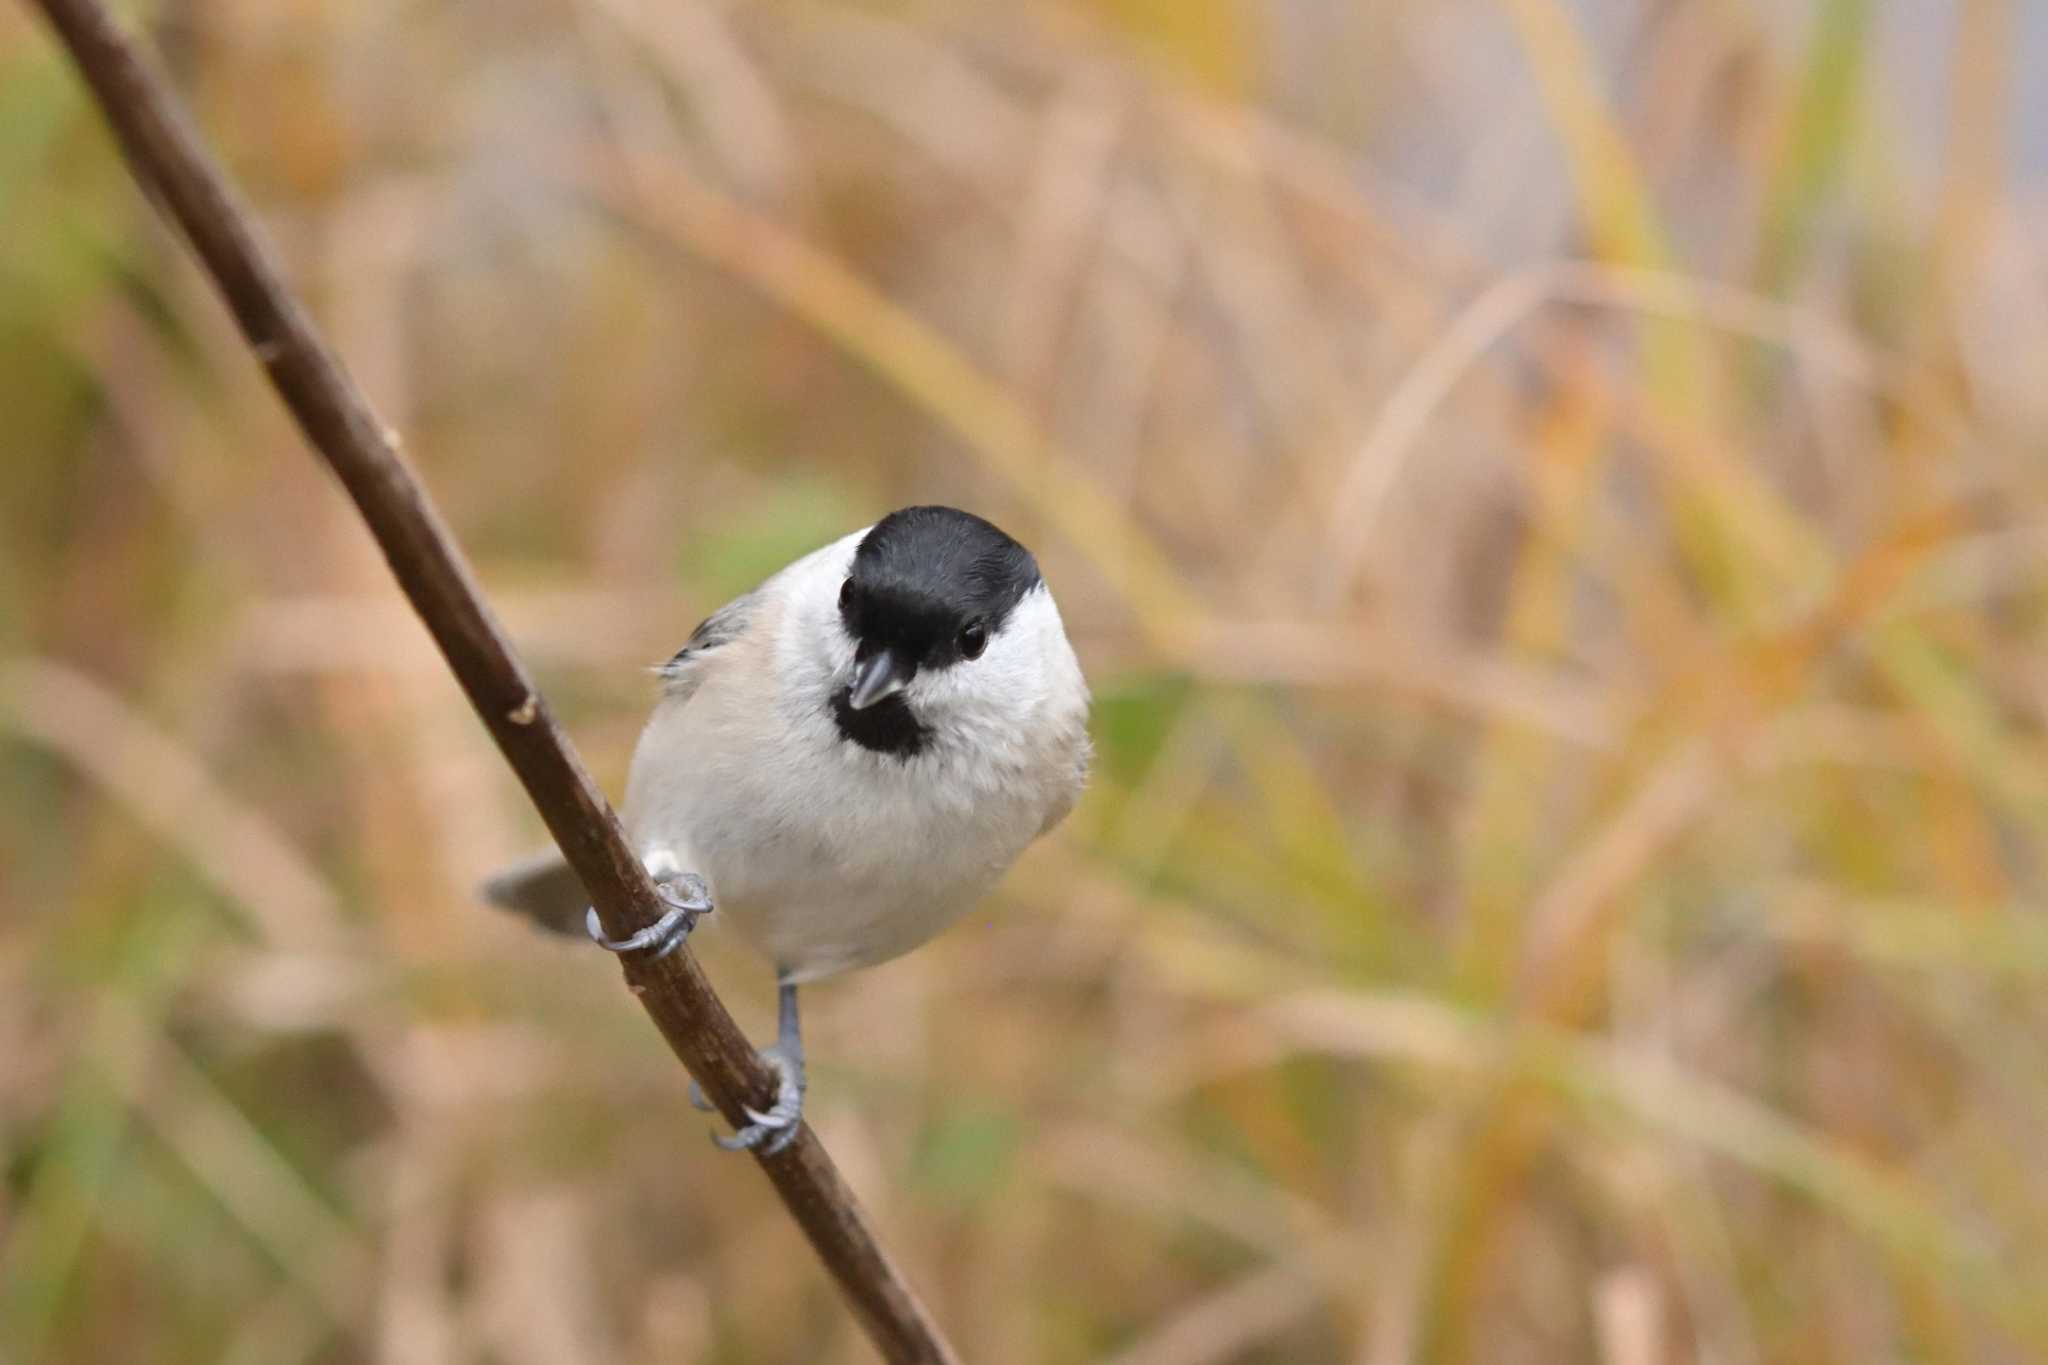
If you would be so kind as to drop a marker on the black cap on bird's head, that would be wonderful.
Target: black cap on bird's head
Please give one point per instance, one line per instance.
(927, 590)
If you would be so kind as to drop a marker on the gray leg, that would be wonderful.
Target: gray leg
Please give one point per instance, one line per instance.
(769, 1133)
(688, 900)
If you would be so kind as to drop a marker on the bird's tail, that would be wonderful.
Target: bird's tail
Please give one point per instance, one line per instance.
(542, 888)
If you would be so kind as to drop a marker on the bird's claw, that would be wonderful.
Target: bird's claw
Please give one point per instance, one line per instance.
(688, 900)
(769, 1132)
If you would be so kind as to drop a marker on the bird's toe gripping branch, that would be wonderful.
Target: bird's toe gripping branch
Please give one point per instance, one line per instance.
(688, 900)
(768, 1132)
(771, 1131)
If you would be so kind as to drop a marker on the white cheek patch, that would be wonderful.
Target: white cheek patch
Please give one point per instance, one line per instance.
(1008, 680)
(812, 648)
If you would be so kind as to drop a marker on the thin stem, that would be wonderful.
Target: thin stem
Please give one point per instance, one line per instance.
(170, 162)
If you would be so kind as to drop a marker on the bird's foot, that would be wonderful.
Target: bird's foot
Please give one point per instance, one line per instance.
(688, 900)
(769, 1132)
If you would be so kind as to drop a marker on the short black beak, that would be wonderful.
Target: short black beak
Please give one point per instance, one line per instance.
(879, 676)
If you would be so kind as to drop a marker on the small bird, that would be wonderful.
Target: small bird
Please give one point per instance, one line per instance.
(844, 760)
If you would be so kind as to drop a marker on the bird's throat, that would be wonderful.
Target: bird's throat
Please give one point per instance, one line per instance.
(888, 727)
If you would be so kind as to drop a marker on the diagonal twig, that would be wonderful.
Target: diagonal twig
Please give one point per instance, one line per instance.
(169, 161)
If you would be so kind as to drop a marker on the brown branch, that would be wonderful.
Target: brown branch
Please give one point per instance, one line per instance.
(168, 159)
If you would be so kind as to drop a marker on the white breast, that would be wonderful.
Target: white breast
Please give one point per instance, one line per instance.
(826, 855)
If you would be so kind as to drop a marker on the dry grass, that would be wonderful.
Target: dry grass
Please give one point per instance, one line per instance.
(1548, 505)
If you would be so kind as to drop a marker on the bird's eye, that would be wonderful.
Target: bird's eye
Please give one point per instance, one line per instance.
(845, 594)
(973, 640)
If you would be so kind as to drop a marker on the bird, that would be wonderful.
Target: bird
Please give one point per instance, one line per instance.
(843, 761)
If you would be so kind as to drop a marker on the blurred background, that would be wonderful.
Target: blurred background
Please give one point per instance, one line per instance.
(1550, 497)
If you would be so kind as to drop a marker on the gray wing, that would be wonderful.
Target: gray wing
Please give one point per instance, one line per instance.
(541, 887)
(682, 673)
